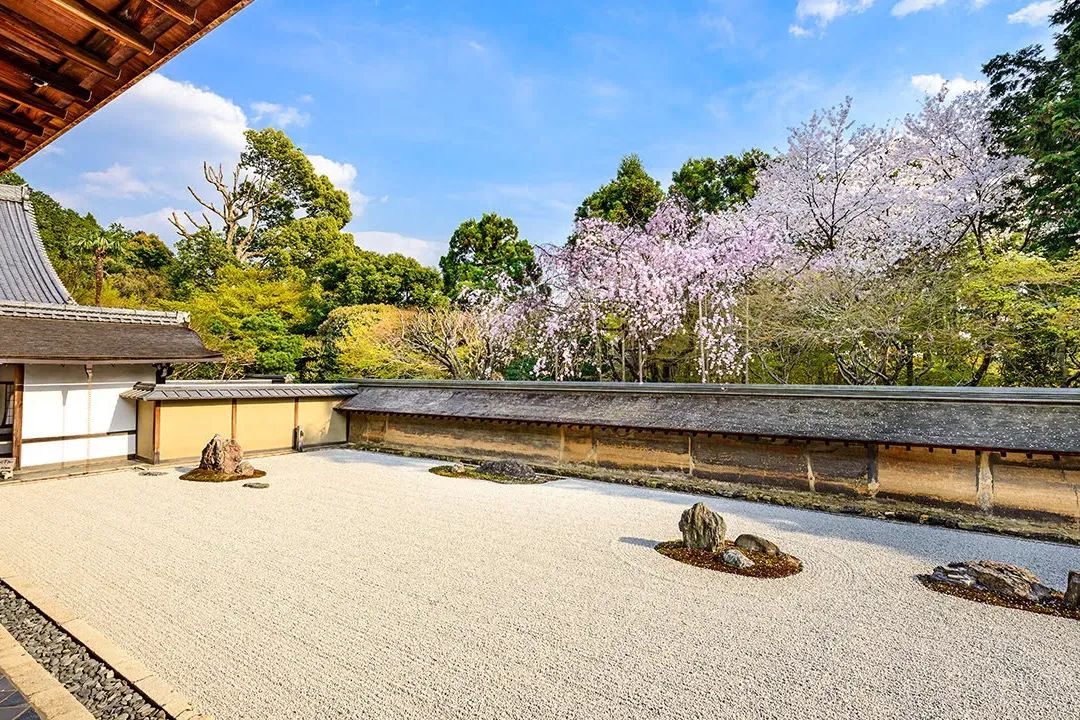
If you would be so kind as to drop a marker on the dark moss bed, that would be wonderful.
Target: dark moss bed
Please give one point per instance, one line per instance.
(448, 471)
(1054, 605)
(208, 476)
(766, 566)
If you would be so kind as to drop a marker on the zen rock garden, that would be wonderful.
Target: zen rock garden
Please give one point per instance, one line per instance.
(1012, 586)
(223, 461)
(704, 544)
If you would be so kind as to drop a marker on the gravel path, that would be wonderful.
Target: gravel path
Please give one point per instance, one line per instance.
(361, 586)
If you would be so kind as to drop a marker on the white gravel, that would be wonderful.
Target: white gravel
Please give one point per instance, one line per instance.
(361, 586)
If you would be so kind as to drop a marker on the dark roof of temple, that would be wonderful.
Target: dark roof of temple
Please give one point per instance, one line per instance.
(237, 389)
(26, 275)
(1007, 419)
(72, 333)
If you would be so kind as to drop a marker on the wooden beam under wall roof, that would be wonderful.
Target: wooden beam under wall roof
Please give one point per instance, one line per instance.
(19, 28)
(21, 122)
(37, 72)
(106, 23)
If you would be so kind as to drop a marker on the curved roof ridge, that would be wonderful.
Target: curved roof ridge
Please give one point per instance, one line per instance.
(26, 274)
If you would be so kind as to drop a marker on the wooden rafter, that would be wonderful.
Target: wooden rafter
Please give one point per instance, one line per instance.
(181, 11)
(21, 122)
(106, 23)
(31, 101)
(41, 75)
(18, 27)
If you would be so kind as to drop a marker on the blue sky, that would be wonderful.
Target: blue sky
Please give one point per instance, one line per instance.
(431, 112)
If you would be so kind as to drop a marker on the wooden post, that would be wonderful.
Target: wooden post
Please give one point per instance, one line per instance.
(157, 431)
(17, 429)
(234, 419)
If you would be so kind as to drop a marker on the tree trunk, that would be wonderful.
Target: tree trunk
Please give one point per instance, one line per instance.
(99, 277)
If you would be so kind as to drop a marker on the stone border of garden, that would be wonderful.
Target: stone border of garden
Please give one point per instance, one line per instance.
(73, 639)
(46, 696)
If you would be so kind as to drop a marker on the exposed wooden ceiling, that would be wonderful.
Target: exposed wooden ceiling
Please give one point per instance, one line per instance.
(60, 60)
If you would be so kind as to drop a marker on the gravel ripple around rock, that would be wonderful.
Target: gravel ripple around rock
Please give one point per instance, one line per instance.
(93, 684)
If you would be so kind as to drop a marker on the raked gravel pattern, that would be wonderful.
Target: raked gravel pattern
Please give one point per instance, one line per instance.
(362, 586)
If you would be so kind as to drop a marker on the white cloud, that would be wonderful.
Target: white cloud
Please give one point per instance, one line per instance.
(1035, 14)
(182, 110)
(156, 222)
(343, 175)
(979, 4)
(426, 251)
(907, 7)
(477, 46)
(119, 181)
(719, 25)
(825, 11)
(279, 116)
(799, 31)
(932, 84)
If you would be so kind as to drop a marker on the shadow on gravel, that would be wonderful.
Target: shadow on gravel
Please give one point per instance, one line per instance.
(642, 542)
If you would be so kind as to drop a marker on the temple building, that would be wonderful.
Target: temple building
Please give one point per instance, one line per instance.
(63, 366)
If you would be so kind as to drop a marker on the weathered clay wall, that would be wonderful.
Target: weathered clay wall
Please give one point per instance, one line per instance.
(1009, 483)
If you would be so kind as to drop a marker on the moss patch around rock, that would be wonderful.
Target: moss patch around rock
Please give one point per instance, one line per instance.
(765, 566)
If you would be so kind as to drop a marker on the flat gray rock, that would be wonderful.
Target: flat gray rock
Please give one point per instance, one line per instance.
(507, 468)
(1007, 581)
(736, 559)
(257, 485)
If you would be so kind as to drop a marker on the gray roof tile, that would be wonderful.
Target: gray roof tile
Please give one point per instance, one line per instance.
(26, 275)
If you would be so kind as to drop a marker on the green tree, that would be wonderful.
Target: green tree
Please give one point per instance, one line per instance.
(101, 244)
(483, 252)
(370, 278)
(367, 341)
(630, 199)
(200, 258)
(709, 185)
(1037, 114)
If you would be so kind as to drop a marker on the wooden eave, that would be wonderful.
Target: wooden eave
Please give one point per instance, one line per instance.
(61, 60)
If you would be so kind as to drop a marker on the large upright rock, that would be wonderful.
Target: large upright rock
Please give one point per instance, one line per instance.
(1072, 592)
(1007, 581)
(702, 529)
(222, 455)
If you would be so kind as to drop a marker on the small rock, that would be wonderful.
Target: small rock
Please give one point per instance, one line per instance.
(458, 468)
(1072, 592)
(246, 469)
(753, 543)
(509, 468)
(152, 473)
(702, 529)
(1007, 581)
(736, 559)
(257, 485)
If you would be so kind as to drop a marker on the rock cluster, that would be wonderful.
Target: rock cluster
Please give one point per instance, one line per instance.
(1006, 581)
(225, 456)
(91, 682)
(702, 529)
(507, 468)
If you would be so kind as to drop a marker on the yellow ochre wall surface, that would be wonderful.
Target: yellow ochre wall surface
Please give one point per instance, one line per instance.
(321, 424)
(144, 438)
(187, 425)
(263, 425)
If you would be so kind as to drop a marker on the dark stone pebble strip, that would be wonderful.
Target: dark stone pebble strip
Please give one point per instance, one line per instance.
(93, 683)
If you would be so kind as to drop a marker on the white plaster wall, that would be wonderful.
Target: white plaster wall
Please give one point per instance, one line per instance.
(58, 402)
